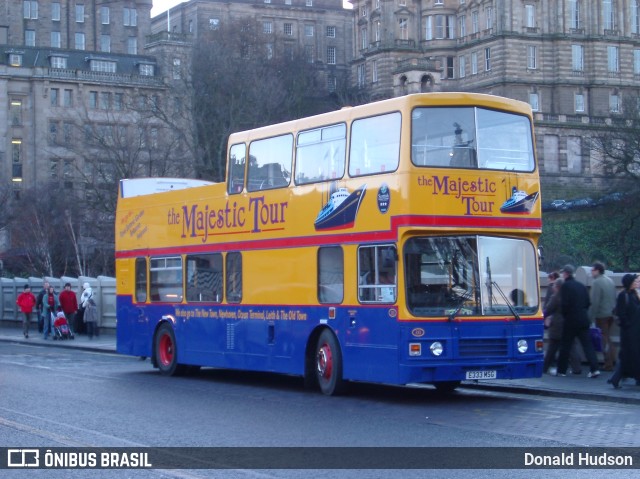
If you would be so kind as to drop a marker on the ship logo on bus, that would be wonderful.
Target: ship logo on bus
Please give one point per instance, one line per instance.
(520, 202)
(341, 210)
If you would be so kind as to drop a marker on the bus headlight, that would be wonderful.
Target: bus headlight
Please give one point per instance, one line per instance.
(522, 346)
(436, 348)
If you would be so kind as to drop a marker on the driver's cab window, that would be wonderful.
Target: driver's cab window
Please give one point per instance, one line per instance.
(377, 273)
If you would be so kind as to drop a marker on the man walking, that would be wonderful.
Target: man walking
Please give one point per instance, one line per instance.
(603, 300)
(575, 303)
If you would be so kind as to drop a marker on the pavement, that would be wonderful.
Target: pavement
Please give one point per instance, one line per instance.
(572, 386)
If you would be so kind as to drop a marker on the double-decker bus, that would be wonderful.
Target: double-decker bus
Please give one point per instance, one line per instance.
(393, 242)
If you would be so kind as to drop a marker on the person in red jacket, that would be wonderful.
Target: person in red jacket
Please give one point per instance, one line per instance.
(26, 302)
(69, 303)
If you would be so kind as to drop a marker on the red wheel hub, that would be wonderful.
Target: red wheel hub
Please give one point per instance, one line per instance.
(325, 361)
(166, 350)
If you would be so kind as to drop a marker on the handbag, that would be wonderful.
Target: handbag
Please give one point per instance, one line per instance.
(596, 339)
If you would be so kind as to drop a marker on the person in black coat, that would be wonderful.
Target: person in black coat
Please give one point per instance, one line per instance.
(628, 312)
(575, 302)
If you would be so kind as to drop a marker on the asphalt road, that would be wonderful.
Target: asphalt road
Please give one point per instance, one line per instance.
(51, 397)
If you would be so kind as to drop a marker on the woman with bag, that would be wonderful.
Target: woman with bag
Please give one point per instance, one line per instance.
(628, 312)
(90, 315)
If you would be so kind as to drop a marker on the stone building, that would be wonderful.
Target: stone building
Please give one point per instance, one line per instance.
(574, 61)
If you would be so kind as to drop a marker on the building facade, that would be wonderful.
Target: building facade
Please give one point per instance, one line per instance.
(576, 62)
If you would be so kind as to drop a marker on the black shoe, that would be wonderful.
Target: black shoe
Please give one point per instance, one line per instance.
(615, 383)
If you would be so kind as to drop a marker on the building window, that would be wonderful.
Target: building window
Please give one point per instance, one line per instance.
(428, 28)
(533, 101)
(331, 32)
(53, 132)
(105, 100)
(489, 17)
(636, 62)
(30, 38)
(79, 13)
(55, 11)
(54, 95)
(577, 58)
(308, 53)
(361, 75)
(579, 102)
(67, 132)
(612, 59)
(445, 26)
(574, 14)
(474, 63)
(376, 31)
(404, 28)
(15, 108)
(118, 101)
(15, 60)
(67, 98)
(267, 27)
(309, 3)
(614, 103)
(331, 55)
(363, 38)
(30, 9)
(177, 69)
(104, 15)
(102, 66)
(16, 158)
(462, 67)
(130, 17)
(55, 40)
(145, 69)
(105, 43)
(288, 29)
(438, 2)
(79, 41)
(487, 59)
(532, 57)
(462, 26)
(530, 16)
(608, 14)
(308, 30)
(635, 17)
(374, 71)
(363, 10)
(214, 23)
(58, 62)
(132, 46)
(474, 22)
(331, 83)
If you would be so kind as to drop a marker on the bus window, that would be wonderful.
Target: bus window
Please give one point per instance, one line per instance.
(234, 277)
(330, 274)
(377, 274)
(270, 163)
(375, 145)
(204, 278)
(166, 279)
(320, 154)
(141, 280)
(237, 160)
(467, 137)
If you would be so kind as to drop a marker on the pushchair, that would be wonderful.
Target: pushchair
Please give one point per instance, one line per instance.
(61, 328)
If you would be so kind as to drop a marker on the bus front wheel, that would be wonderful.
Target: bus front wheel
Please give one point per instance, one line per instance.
(166, 352)
(329, 364)
(446, 387)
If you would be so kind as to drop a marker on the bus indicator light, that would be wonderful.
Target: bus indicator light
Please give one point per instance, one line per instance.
(539, 345)
(415, 349)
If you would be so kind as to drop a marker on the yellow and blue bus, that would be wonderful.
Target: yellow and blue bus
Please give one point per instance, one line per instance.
(393, 242)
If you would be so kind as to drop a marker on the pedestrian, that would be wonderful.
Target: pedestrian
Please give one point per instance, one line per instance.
(553, 323)
(40, 306)
(90, 316)
(26, 301)
(50, 304)
(628, 313)
(603, 300)
(69, 304)
(551, 278)
(575, 303)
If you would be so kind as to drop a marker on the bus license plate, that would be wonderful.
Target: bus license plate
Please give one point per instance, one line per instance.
(490, 374)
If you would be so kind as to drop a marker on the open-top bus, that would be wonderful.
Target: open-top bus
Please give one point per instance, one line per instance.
(394, 242)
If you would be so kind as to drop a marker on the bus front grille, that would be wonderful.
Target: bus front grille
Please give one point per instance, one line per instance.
(486, 347)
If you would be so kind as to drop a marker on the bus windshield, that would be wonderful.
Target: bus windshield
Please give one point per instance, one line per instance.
(470, 275)
(470, 137)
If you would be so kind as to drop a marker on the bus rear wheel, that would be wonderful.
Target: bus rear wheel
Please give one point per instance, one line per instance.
(166, 352)
(329, 364)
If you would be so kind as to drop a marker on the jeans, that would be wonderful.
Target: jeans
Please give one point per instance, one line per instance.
(46, 324)
(25, 324)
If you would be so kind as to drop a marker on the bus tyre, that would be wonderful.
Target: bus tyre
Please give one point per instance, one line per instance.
(166, 352)
(329, 364)
(446, 387)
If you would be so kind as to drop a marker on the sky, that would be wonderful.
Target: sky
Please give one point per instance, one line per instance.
(160, 6)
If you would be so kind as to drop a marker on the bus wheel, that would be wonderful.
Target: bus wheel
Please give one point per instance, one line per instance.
(166, 357)
(446, 386)
(329, 364)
